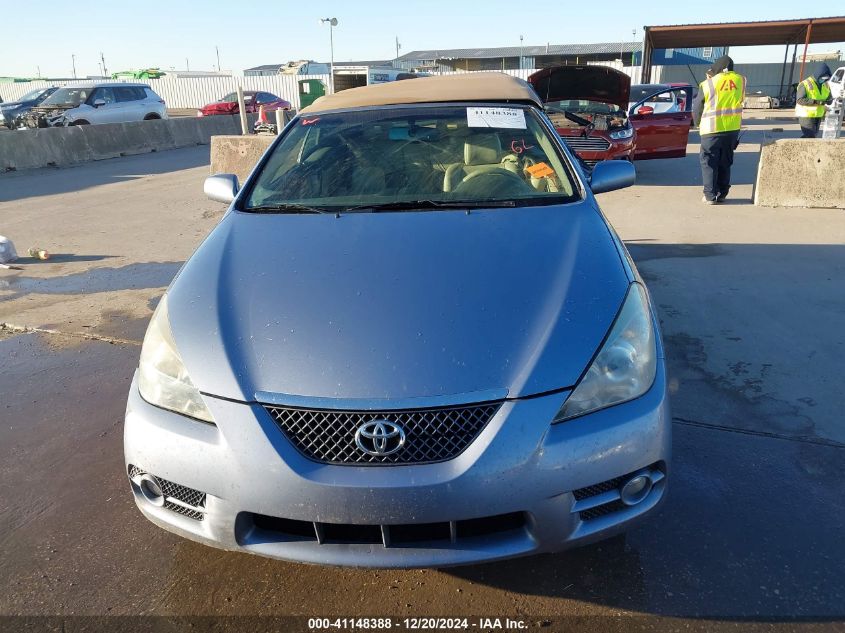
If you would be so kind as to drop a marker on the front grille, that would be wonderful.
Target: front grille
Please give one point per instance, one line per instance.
(174, 492)
(590, 144)
(439, 534)
(431, 435)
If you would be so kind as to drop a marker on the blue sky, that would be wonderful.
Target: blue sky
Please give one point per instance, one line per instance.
(134, 35)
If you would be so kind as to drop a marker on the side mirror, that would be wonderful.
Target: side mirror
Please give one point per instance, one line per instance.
(609, 175)
(221, 187)
(645, 110)
(99, 102)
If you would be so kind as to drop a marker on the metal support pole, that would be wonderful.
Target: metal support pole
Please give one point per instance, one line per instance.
(242, 111)
(783, 71)
(645, 62)
(792, 66)
(280, 120)
(806, 44)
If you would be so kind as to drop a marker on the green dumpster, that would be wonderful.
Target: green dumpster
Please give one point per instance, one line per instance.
(309, 91)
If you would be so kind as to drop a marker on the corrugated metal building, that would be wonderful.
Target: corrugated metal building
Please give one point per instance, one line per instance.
(508, 57)
(268, 70)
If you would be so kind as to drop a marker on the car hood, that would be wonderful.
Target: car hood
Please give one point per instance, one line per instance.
(587, 83)
(397, 305)
(11, 105)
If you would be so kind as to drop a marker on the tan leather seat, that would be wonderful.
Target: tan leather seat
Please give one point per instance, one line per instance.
(482, 153)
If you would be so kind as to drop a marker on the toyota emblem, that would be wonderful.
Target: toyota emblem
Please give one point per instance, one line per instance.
(380, 438)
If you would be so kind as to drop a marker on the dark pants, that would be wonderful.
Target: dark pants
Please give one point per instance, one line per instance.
(717, 156)
(810, 127)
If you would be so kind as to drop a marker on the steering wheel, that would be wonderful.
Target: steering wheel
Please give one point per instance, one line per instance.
(496, 181)
(499, 171)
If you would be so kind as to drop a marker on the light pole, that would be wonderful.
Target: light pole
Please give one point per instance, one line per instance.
(73, 61)
(217, 50)
(332, 22)
(520, 52)
(634, 47)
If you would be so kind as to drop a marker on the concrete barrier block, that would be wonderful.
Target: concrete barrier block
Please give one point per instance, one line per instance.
(108, 140)
(801, 173)
(28, 149)
(187, 131)
(148, 136)
(238, 154)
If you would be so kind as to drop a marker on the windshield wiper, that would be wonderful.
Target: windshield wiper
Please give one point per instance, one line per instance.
(431, 204)
(286, 208)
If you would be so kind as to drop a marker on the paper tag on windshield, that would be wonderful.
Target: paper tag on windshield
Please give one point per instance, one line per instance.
(511, 118)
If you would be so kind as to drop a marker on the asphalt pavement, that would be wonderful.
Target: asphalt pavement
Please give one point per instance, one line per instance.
(753, 311)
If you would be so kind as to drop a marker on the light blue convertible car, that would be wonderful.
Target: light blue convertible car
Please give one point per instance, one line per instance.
(412, 341)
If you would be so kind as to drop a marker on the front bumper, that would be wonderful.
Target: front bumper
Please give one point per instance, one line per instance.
(519, 467)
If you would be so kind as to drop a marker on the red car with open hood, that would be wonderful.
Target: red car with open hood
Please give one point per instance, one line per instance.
(589, 107)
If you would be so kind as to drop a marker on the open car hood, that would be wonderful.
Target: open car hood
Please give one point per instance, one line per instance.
(586, 83)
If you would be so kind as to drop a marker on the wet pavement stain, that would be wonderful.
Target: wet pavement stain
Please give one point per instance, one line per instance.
(129, 277)
(648, 252)
(742, 404)
(122, 324)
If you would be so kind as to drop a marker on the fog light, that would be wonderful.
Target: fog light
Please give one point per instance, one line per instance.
(635, 490)
(151, 490)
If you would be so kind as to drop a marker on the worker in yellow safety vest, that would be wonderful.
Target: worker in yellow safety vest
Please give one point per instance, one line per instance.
(717, 111)
(811, 96)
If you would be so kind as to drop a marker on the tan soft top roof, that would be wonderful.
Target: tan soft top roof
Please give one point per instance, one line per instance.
(463, 87)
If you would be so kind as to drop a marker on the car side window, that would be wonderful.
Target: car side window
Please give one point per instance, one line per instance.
(837, 76)
(106, 94)
(125, 94)
(671, 100)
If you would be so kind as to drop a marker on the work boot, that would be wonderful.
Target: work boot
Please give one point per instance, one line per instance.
(721, 198)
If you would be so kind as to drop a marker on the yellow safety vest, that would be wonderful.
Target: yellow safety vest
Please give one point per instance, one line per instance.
(723, 97)
(815, 93)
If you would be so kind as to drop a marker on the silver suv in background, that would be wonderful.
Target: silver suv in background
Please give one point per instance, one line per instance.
(101, 103)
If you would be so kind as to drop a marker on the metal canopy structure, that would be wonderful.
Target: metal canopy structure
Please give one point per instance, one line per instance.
(788, 32)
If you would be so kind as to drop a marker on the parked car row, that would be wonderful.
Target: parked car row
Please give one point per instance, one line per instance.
(84, 104)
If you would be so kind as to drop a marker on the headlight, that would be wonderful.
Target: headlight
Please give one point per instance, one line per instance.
(162, 378)
(618, 135)
(625, 366)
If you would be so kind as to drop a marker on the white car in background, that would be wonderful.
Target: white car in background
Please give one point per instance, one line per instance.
(97, 103)
(837, 82)
(663, 100)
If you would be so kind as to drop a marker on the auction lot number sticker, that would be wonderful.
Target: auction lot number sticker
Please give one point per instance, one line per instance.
(508, 118)
(417, 624)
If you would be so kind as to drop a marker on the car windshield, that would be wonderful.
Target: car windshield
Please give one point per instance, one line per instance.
(32, 95)
(70, 97)
(232, 97)
(423, 157)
